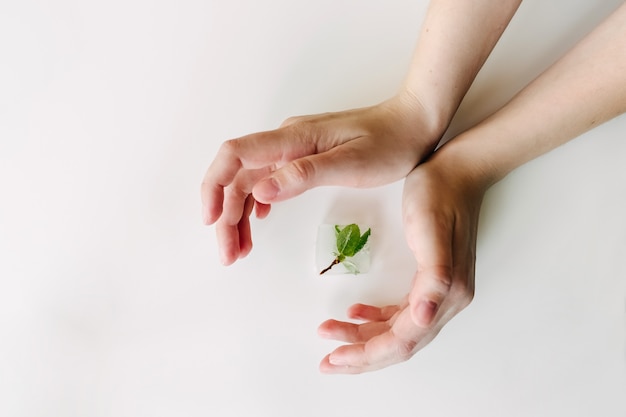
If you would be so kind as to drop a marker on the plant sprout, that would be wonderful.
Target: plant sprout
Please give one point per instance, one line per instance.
(349, 243)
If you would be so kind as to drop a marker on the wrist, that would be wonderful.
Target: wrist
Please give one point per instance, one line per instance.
(423, 123)
(469, 160)
(435, 118)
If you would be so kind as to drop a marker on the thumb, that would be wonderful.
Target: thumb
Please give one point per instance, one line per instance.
(300, 175)
(430, 288)
(430, 238)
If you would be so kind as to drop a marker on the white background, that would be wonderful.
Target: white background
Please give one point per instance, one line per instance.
(112, 298)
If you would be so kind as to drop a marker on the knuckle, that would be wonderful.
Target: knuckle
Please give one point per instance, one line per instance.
(441, 278)
(444, 276)
(405, 349)
(301, 170)
(304, 128)
(237, 194)
(463, 292)
(229, 147)
(290, 121)
(388, 312)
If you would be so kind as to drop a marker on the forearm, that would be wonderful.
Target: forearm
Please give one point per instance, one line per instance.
(456, 38)
(580, 91)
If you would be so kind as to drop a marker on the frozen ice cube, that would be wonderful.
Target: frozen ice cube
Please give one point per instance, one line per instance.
(326, 248)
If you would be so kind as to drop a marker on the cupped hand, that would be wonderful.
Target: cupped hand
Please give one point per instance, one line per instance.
(357, 148)
(441, 205)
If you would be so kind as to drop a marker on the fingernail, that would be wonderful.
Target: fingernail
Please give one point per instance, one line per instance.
(334, 360)
(426, 310)
(267, 190)
(323, 333)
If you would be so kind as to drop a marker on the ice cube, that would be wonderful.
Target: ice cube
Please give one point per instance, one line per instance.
(326, 248)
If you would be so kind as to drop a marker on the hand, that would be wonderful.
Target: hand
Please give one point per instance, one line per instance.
(441, 206)
(356, 148)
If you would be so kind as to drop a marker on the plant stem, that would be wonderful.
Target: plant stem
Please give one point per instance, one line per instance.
(335, 262)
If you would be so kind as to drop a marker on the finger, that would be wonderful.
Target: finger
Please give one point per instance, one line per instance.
(347, 165)
(351, 332)
(396, 345)
(236, 194)
(428, 293)
(212, 197)
(245, 235)
(372, 313)
(235, 241)
(379, 352)
(255, 151)
(262, 210)
(328, 368)
(228, 242)
(430, 237)
(234, 202)
(233, 228)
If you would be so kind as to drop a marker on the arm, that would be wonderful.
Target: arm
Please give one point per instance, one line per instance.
(583, 89)
(358, 148)
(455, 40)
(442, 197)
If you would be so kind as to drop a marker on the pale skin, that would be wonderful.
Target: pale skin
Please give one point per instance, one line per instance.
(442, 196)
(376, 145)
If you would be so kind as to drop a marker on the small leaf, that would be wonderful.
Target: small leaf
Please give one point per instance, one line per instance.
(337, 230)
(362, 241)
(348, 239)
(351, 267)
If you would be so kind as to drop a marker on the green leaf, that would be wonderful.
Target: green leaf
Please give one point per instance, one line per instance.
(362, 241)
(348, 239)
(351, 267)
(337, 230)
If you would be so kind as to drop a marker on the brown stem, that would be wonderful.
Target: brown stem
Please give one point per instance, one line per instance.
(335, 262)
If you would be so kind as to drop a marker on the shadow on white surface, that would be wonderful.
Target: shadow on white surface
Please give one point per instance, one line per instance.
(112, 298)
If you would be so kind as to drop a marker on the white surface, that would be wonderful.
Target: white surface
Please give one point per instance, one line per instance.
(112, 298)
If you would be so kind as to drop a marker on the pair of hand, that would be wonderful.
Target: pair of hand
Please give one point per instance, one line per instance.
(361, 148)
